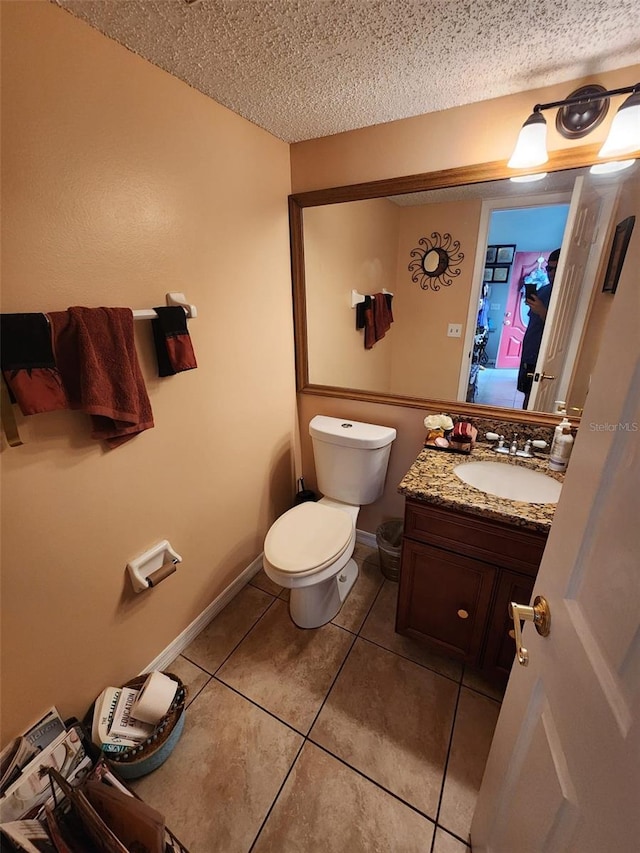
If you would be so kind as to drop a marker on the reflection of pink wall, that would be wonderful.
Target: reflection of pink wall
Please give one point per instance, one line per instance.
(426, 363)
(348, 246)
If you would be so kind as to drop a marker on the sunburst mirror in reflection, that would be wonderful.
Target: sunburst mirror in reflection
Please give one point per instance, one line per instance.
(435, 264)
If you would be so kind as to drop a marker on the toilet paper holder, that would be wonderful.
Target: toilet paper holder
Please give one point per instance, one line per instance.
(152, 567)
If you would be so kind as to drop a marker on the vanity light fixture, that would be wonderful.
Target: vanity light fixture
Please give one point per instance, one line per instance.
(577, 116)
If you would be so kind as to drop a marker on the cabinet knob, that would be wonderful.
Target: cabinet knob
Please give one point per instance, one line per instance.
(512, 634)
(463, 614)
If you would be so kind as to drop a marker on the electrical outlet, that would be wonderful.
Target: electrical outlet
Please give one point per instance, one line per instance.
(454, 330)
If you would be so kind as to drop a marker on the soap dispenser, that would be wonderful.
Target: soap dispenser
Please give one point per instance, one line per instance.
(561, 446)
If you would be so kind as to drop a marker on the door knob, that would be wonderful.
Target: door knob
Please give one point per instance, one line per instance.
(539, 376)
(539, 614)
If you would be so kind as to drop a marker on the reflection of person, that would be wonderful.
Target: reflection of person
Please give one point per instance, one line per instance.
(538, 303)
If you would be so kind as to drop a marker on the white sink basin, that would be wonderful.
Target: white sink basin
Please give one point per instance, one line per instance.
(510, 481)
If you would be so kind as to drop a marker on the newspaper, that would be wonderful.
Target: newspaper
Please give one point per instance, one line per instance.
(29, 835)
(27, 794)
(21, 750)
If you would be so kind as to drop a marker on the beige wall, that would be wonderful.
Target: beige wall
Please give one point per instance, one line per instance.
(475, 133)
(120, 184)
(348, 246)
(426, 363)
(462, 136)
(367, 245)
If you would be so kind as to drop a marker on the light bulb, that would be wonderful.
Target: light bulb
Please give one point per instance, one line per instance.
(610, 167)
(624, 133)
(531, 147)
(526, 179)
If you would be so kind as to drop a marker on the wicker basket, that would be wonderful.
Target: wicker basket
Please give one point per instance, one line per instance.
(154, 751)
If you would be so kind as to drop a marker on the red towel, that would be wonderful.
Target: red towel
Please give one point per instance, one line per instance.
(97, 359)
(28, 364)
(382, 316)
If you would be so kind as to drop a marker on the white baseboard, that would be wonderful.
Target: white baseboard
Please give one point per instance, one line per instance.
(211, 611)
(200, 622)
(366, 538)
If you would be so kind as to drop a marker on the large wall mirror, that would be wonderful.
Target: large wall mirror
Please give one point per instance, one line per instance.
(460, 249)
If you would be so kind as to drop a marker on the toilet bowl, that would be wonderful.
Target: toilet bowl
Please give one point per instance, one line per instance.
(308, 550)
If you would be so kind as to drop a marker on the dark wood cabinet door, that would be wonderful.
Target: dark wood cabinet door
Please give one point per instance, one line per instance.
(444, 598)
(500, 647)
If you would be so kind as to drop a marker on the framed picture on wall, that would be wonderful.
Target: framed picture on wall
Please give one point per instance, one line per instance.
(501, 273)
(619, 247)
(505, 254)
(491, 254)
(488, 274)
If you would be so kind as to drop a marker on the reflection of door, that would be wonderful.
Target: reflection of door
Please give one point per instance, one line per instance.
(514, 325)
(556, 338)
(563, 774)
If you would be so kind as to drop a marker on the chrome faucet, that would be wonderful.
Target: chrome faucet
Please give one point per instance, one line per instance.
(499, 447)
(512, 449)
(528, 453)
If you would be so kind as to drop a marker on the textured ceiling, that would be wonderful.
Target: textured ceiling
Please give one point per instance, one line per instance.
(302, 69)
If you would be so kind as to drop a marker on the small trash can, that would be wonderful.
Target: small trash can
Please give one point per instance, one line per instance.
(389, 540)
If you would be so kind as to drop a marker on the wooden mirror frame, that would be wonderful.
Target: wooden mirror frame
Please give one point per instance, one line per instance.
(574, 158)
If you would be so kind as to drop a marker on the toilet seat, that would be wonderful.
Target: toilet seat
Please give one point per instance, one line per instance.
(308, 538)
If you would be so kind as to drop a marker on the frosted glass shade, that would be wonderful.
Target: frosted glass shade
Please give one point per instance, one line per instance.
(528, 179)
(624, 134)
(531, 147)
(611, 167)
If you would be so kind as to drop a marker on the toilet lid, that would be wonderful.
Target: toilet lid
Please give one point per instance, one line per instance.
(309, 536)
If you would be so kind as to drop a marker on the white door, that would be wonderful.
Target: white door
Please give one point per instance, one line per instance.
(578, 239)
(563, 774)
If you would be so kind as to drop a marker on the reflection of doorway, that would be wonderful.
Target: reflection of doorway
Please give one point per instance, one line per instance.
(502, 315)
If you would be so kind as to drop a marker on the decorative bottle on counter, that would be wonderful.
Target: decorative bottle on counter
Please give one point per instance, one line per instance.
(561, 447)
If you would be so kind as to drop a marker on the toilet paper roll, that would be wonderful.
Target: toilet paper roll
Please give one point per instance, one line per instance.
(155, 698)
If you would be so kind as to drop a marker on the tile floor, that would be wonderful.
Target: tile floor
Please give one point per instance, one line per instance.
(498, 387)
(347, 738)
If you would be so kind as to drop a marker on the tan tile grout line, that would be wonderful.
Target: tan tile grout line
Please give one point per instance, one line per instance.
(446, 763)
(373, 782)
(306, 737)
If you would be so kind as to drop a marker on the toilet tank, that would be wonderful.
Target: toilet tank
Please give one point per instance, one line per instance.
(351, 458)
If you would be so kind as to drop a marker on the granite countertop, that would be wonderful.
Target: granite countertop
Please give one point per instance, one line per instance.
(431, 479)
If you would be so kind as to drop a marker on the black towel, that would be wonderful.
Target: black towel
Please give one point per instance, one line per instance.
(361, 308)
(172, 341)
(28, 363)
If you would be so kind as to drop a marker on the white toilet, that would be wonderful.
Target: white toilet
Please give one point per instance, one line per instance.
(309, 548)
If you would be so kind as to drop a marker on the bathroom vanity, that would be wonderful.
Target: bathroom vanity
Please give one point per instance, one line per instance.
(465, 555)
